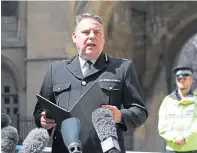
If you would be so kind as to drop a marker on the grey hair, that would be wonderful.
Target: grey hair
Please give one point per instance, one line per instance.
(88, 15)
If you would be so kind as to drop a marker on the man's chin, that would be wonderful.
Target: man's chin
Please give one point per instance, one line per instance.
(88, 56)
(91, 55)
(90, 51)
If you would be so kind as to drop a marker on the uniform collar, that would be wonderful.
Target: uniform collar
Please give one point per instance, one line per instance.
(74, 66)
(175, 94)
(83, 61)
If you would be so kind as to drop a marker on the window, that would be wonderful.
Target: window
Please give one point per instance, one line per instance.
(15, 99)
(6, 89)
(15, 111)
(8, 111)
(7, 100)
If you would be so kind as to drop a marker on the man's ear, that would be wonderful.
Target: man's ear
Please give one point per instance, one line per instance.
(74, 36)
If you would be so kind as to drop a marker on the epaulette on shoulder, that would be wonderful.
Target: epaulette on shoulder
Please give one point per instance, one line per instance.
(59, 62)
(124, 59)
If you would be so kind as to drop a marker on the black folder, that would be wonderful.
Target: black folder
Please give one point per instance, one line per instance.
(83, 108)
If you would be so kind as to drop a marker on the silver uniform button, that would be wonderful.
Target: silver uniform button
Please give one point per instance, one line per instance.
(83, 83)
(59, 89)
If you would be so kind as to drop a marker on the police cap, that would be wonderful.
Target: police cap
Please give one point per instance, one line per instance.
(182, 71)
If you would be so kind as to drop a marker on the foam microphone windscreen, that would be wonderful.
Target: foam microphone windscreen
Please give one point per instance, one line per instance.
(9, 139)
(5, 120)
(35, 141)
(104, 124)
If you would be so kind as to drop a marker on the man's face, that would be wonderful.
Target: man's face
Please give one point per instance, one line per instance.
(89, 38)
(184, 82)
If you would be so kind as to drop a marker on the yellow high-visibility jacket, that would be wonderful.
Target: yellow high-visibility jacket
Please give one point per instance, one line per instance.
(179, 118)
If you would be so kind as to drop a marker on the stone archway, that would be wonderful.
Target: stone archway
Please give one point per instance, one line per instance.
(174, 48)
(10, 89)
(13, 70)
(188, 56)
(161, 88)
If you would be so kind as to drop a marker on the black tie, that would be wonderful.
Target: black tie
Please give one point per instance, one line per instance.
(89, 65)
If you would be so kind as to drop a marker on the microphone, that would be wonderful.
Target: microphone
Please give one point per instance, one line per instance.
(70, 130)
(106, 130)
(5, 120)
(9, 139)
(35, 141)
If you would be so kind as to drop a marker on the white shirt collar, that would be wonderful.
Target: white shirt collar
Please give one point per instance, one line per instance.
(82, 62)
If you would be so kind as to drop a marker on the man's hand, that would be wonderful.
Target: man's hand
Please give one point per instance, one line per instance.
(46, 122)
(180, 141)
(115, 112)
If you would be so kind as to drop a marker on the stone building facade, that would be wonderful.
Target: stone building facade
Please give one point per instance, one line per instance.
(152, 34)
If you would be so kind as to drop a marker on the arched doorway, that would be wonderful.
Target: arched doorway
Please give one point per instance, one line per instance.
(10, 90)
(174, 50)
(188, 56)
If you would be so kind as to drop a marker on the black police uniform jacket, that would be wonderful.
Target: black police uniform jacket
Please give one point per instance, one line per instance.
(63, 85)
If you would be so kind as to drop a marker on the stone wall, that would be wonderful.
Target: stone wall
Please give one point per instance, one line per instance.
(48, 39)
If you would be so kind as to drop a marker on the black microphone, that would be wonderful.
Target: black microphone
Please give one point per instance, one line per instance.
(35, 141)
(9, 139)
(70, 130)
(106, 130)
(5, 120)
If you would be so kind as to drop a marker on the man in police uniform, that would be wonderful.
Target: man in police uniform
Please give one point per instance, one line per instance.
(178, 115)
(66, 81)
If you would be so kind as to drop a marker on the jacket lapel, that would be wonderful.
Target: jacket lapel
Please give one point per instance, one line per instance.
(75, 68)
(98, 66)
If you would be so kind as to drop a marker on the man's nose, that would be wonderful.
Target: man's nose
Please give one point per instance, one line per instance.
(91, 35)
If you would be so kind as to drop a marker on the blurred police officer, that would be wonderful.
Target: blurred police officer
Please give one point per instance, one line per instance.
(67, 80)
(178, 115)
